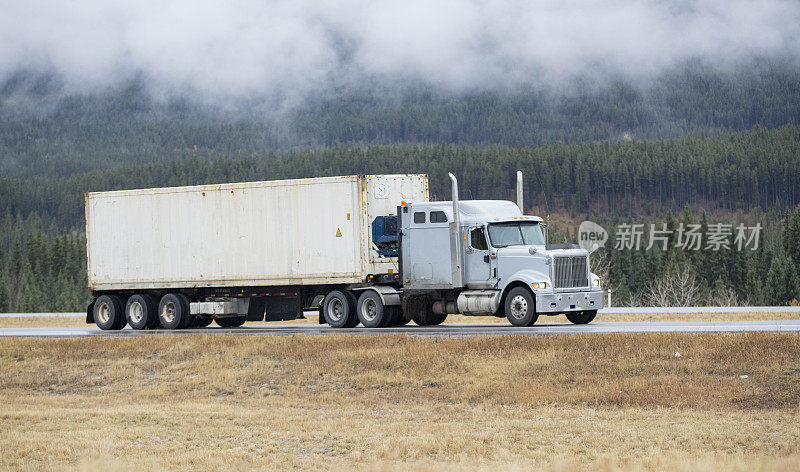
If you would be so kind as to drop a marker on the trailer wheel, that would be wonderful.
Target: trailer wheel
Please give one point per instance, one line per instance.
(203, 321)
(231, 321)
(188, 320)
(398, 319)
(338, 308)
(141, 311)
(371, 311)
(108, 312)
(520, 307)
(354, 321)
(172, 312)
(429, 319)
(581, 317)
(154, 323)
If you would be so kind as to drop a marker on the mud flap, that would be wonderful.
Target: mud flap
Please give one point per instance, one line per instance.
(283, 308)
(255, 311)
(90, 313)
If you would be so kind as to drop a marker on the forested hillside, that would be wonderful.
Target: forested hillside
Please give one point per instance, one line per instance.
(740, 170)
(693, 144)
(44, 132)
(756, 173)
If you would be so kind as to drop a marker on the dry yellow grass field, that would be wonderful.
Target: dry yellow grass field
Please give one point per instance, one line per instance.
(602, 402)
(50, 322)
(629, 317)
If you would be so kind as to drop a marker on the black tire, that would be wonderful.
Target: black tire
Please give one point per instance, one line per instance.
(154, 323)
(108, 313)
(371, 312)
(520, 307)
(203, 321)
(430, 319)
(397, 316)
(354, 321)
(581, 317)
(173, 312)
(188, 320)
(231, 321)
(339, 310)
(141, 311)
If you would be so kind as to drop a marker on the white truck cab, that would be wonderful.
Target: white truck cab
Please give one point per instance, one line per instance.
(486, 258)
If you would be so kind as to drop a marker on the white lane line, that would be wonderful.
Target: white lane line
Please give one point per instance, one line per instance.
(701, 309)
(42, 315)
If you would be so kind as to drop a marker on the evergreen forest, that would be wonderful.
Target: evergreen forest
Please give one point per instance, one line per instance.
(694, 147)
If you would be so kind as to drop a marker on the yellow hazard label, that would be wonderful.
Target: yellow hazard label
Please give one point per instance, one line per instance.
(338, 233)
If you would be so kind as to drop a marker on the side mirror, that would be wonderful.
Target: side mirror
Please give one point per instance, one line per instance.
(532, 250)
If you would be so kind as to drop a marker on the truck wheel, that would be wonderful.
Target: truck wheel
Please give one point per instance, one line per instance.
(188, 320)
(203, 321)
(231, 321)
(581, 317)
(371, 311)
(354, 321)
(153, 323)
(520, 307)
(108, 312)
(397, 316)
(339, 310)
(141, 311)
(172, 312)
(430, 319)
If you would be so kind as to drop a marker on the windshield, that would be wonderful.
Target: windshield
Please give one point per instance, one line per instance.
(516, 233)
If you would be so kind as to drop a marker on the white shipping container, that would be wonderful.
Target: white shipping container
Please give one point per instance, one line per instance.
(285, 232)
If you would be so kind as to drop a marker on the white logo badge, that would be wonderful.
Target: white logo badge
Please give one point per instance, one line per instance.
(592, 236)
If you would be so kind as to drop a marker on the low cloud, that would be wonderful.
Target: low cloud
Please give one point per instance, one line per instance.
(243, 49)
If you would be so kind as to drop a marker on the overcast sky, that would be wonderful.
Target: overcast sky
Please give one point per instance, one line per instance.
(241, 48)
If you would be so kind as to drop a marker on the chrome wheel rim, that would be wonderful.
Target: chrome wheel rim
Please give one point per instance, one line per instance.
(519, 307)
(335, 309)
(103, 313)
(369, 309)
(168, 313)
(136, 312)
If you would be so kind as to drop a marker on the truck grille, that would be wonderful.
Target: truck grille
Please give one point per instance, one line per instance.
(570, 272)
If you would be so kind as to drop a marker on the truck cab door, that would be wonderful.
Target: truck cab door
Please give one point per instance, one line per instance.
(478, 260)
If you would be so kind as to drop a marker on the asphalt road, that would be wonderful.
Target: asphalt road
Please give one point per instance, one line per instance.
(604, 311)
(445, 330)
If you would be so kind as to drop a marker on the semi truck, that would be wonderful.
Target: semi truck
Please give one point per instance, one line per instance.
(362, 249)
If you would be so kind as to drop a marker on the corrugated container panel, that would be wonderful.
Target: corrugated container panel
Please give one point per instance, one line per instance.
(305, 231)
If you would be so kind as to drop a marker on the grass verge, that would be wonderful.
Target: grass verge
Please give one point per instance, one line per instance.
(54, 322)
(611, 402)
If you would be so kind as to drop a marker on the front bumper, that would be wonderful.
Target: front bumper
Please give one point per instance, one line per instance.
(560, 302)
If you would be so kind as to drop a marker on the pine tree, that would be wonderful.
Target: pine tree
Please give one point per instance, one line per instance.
(791, 237)
(782, 282)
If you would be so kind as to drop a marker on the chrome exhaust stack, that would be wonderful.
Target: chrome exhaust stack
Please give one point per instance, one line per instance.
(519, 192)
(456, 254)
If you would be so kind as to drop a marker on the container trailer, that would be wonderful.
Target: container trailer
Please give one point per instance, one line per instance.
(368, 249)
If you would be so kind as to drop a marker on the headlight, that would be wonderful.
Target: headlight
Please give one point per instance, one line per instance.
(539, 285)
(596, 282)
